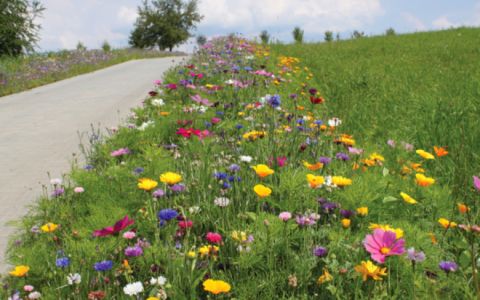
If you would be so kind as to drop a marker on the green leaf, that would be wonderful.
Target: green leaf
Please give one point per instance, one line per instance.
(388, 199)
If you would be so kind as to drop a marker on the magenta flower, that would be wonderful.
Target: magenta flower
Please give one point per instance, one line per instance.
(214, 238)
(476, 183)
(119, 226)
(382, 243)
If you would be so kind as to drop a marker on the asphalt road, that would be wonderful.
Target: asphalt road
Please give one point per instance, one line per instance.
(39, 129)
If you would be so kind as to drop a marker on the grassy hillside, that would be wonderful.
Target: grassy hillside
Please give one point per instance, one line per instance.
(234, 180)
(22, 73)
(422, 87)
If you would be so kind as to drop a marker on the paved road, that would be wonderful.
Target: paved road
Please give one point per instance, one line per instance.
(39, 128)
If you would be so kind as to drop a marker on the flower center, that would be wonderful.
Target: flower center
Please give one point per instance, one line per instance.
(385, 250)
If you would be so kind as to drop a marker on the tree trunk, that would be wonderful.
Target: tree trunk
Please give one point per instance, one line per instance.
(170, 48)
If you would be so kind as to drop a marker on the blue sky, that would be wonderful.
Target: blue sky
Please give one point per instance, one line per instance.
(65, 22)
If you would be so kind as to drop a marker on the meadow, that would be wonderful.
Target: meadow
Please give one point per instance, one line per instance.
(343, 170)
(26, 72)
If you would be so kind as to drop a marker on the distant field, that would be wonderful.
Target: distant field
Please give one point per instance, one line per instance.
(422, 87)
(23, 73)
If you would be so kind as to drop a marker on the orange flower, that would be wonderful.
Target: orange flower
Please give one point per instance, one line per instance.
(19, 271)
(440, 151)
(423, 180)
(315, 181)
(263, 170)
(262, 191)
(346, 223)
(463, 208)
(313, 167)
(446, 223)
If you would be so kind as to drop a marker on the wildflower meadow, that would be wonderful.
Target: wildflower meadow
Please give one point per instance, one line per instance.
(242, 177)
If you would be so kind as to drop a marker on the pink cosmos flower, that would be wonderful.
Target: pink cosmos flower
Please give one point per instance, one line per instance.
(129, 235)
(215, 120)
(476, 183)
(79, 189)
(120, 152)
(214, 238)
(285, 216)
(119, 226)
(383, 243)
(157, 82)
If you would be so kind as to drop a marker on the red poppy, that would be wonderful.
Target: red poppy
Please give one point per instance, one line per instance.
(316, 100)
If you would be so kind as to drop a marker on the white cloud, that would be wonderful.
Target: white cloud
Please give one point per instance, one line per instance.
(127, 14)
(443, 23)
(314, 16)
(414, 21)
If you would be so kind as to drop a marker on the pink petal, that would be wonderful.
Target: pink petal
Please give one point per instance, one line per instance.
(123, 223)
(371, 245)
(389, 238)
(103, 232)
(476, 183)
(398, 248)
(378, 257)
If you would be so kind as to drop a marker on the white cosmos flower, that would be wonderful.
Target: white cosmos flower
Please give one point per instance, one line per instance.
(333, 122)
(55, 181)
(158, 102)
(160, 280)
(74, 278)
(145, 125)
(221, 201)
(133, 289)
(245, 158)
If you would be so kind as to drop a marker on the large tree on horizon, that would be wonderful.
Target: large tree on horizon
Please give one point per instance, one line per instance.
(164, 23)
(18, 30)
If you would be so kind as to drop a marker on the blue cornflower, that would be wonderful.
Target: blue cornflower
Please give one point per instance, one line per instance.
(239, 126)
(274, 101)
(63, 262)
(103, 265)
(220, 175)
(167, 214)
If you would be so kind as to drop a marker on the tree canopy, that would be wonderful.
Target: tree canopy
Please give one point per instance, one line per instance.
(18, 30)
(164, 23)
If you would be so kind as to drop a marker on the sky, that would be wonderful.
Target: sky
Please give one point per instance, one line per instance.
(66, 22)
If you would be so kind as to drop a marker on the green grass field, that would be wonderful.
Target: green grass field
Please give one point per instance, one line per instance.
(273, 198)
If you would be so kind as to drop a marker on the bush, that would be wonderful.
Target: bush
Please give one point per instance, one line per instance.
(81, 47)
(201, 40)
(328, 36)
(390, 31)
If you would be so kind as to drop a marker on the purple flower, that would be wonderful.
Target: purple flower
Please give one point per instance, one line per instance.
(167, 214)
(158, 193)
(448, 266)
(407, 146)
(138, 170)
(320, 251)
(347, 213)
(329, 207)
(355, 151)
(177, 188)
(304, 221)
(325, 160)
(62, 262)
(58, 192)
(415, 256)
(274, 101)
(133, 251)
(220, 175)
(234, 168)
(342, 156)
(313, 91)
(103, 265)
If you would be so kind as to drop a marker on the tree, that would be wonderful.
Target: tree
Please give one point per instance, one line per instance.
(358, 34)
(164, 23)
(106, 46)
(201, 40)
(81, 47)
(298, 35)
(328, 36)
(18, 30)
(390, 31)
(264, 37)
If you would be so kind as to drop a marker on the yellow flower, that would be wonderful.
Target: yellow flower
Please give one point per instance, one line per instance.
(253, 135)
(407, 198)
(263, 170)
(262, 191)
(368, 269)
(49, 227)
(170, 178)
(146, 184)
(239, 236)
(362, 211)
(191, 254)
(398, 232)
(445, 223)
(208, 250)
(19, 271)
(377, 157)
(346, 140)
(346, 223)
(153, 298)
(325, 277)
(315, 181)
(313, 167)
(216, 286)
(425, 154)
(164, 113)
(423, 180)
(341, 181)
